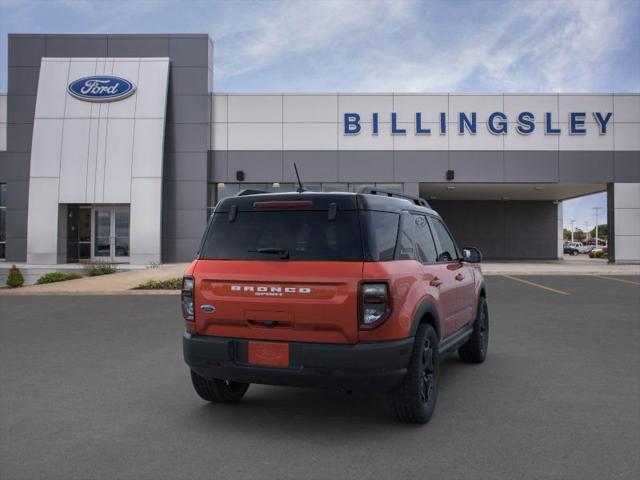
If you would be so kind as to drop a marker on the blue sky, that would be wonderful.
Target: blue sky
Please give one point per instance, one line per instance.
(371, 45)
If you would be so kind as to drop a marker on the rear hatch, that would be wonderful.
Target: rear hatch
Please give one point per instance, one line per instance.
(281, 268)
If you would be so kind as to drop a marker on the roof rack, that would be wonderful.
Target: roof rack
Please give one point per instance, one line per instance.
(249, 191)
(390, 193)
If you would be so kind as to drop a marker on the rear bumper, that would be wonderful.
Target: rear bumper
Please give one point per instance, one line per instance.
(369, 367)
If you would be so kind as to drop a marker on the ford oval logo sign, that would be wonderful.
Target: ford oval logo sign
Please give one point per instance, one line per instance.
(101, 88)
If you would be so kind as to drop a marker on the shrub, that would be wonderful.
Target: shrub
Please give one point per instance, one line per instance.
(52, 277)
(171, 284)
(15, 278)
(100, 269)
(597, 254)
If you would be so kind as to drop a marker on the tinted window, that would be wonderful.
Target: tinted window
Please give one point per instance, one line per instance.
(304, 235)
(383, 233)
(447, 248)
(424, 241)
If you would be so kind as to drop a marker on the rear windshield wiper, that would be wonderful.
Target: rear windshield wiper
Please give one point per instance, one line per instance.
(283, 252)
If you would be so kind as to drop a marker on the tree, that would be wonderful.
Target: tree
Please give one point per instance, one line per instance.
(603, 231)
(15, 278)
(566, 234)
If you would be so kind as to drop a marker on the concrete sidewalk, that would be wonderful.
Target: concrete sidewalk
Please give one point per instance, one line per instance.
(124, 282)
(115, 283)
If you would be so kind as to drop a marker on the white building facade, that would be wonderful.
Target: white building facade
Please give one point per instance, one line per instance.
(134, 178)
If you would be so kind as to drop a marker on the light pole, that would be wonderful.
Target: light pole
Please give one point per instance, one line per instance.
(596, 210)
(572, 222)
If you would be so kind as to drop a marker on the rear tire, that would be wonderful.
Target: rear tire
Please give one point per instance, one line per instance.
(218, 391)
(415, 400)
(475, 349)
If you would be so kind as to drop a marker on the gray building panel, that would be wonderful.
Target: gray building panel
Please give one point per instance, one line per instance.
(185, 195)
(23, 80)
(257, 165)
(365, 166)
(218, 166)
(185, 223)
(188, 80)
(188, 50)
(430, 166)
(531, 166)
(314, 166)
(26, 50)
(76, 46)
(184, 166)
(19, 138)
(187, 137)
(189, 109)
(477, 166)
(586, 166)
(22, 108)
(138, 46)
(626, 166)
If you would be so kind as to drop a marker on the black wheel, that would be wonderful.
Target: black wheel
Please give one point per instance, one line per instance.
(415, 400)
(219, 391)
(475, 349)
(574, 253)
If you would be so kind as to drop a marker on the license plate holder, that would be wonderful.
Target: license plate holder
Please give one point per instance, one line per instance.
(269, 354)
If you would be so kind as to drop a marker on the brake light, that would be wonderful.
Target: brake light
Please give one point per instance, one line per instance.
(284, 204)
(375, 304)
(188, 287)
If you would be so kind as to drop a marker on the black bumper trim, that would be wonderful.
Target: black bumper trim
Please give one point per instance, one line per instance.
(371, 367)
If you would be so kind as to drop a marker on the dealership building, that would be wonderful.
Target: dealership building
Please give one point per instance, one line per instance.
(117, 147)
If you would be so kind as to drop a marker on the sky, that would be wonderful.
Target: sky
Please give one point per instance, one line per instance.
(377, 45)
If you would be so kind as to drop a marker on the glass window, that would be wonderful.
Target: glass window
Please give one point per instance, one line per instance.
(447, 250)
(299, 235)
(383, 234)
(424, 240)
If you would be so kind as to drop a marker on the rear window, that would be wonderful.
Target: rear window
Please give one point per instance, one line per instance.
(292, 234)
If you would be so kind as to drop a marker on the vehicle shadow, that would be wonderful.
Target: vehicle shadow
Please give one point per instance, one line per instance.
(278, 411)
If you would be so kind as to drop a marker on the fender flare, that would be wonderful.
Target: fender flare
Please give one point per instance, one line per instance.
(426, 307)
(482, 287)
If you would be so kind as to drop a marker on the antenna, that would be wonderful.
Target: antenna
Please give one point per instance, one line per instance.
(300, 187)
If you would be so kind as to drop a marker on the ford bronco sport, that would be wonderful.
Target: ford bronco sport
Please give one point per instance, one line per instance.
(354, 291)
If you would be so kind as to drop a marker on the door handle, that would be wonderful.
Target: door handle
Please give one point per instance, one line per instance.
(459, 277)
(435, 282)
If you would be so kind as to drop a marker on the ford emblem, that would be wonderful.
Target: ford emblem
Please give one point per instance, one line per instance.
(101, 88)
(208, 308)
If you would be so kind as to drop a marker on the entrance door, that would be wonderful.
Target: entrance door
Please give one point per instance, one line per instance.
(111, 234)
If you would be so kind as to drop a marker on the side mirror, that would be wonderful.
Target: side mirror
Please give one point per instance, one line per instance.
(471, 255)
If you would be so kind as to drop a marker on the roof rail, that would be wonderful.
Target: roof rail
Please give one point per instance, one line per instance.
(390, 193)
(249, 191)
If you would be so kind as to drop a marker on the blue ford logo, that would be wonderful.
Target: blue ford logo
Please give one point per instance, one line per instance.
(208, 308)
(101, 88)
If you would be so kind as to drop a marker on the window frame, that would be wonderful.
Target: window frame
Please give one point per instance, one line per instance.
(431, 219)
(3, 207)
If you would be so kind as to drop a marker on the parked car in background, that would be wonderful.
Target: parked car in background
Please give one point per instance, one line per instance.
(572, 248)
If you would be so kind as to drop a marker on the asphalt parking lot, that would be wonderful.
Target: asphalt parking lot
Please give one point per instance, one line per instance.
(95, 388)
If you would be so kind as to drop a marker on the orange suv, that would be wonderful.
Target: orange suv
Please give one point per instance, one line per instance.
(353, 291)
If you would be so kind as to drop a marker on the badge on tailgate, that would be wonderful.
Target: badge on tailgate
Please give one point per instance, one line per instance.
(269, 354)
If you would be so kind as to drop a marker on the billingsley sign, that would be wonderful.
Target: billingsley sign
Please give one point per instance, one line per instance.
(497, 123)
(101, 88)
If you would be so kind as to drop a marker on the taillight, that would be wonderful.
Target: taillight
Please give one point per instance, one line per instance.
(375, 304)
(188, 287)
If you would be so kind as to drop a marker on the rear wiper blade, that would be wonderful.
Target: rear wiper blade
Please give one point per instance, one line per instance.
(283, 252)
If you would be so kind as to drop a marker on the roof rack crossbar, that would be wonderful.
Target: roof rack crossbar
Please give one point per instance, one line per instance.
(390, 193)
(249, 191)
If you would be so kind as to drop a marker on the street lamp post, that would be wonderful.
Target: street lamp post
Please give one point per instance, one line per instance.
(572, 222)
(596, 210)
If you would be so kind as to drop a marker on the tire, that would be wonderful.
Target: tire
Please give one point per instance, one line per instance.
(218, 391)
(475, 349)
(415, 400)
(574, 253)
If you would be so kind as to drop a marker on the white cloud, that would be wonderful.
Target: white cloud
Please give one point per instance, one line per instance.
(383, 46)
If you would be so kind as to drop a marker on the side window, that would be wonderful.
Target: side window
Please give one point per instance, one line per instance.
(406, 244)
(447, 251)
(383, 234)
(424, 240)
